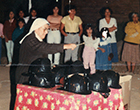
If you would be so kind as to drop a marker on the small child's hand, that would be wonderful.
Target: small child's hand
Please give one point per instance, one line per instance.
(103, 50)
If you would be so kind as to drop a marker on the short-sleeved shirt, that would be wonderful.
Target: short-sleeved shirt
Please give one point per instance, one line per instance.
(71, 25)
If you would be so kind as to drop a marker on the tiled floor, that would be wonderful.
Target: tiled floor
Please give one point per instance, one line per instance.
(5, 90)
(135, 93)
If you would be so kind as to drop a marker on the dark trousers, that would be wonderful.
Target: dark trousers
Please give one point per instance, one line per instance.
(13, 67)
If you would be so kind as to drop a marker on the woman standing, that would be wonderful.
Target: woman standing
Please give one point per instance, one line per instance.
(111, 24)
(21, 15)
(54, 35)
(29, 19)
(9, 27)
(131, 43)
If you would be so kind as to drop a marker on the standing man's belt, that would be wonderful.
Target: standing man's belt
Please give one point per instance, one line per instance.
(72, 33)
(54, 29)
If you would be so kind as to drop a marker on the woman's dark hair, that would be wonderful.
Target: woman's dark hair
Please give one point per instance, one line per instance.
(19, 11)
(53, 7)
(87, 27)
(56, 5)
(9, 13)
(102, 11)
(21, 20)
(32, 10)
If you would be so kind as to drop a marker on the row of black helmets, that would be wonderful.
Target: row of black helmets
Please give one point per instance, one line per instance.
(72, 76)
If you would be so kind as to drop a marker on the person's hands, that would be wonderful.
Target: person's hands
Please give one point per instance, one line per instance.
(103, 50)
(2, 36)
(70, 46)
(112, 28)
(109, 59)
(65, 35)
(6, 39)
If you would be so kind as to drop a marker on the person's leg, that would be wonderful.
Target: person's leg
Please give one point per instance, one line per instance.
(129, 66)
(68, 39)
(15, 61)
(86, 58)
(13, 95)
(115, 52)
(50, 39)
(57, 40)
(92, 62)
(67, 55)
(133, 67)
(11, 49)
(8, 51)
(76, 40)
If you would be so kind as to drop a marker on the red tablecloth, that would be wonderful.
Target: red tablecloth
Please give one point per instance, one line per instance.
(34, 98)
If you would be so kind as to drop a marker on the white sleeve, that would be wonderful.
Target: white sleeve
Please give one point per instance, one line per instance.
(115, 24)
(96, 45)
(101, 24)
(84, 38)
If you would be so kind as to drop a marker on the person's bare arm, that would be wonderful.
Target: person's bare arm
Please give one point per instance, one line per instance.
(48, 18)
(112, 28)
(69, 46)
(61, 29)
(103, 50)
(81, 30)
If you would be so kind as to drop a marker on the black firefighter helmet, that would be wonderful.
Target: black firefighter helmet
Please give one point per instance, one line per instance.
(67, 69)
(113, 79)
(99, 83)
(59, 72)
(41, 80)
(74, 67)
(40, 65)
(40, 74)
(77, 84)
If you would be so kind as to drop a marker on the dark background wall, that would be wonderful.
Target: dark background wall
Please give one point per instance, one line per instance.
(44, 7)
(88, 10)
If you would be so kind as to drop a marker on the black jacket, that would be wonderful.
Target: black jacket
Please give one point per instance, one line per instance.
(31, 49)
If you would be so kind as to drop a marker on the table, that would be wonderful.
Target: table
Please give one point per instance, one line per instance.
(35, 98)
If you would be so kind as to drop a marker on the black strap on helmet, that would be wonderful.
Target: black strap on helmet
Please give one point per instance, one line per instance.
(105, 95)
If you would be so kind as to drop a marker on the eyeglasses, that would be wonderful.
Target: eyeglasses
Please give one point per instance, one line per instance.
(45, 29)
